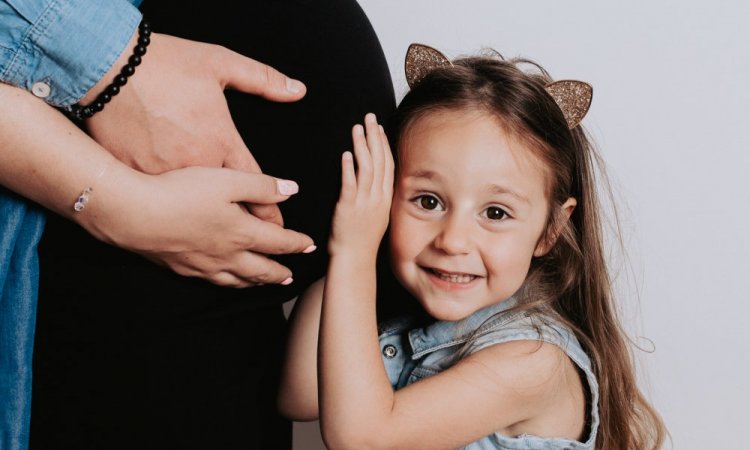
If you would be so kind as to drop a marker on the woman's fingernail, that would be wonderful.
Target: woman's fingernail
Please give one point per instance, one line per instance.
(287, 187)
(371, 118)
(287, 282)
(310, 249)
(294, 86)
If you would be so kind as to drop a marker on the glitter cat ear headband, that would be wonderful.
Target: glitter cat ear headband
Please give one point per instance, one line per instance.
(572, 96)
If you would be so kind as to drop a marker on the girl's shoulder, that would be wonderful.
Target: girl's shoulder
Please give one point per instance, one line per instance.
(529, 360)
(543, 358)
(522, 325)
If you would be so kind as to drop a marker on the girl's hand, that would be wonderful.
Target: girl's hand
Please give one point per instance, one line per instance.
(361, 215)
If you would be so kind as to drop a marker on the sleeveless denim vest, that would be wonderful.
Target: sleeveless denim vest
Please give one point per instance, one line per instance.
(411, 354)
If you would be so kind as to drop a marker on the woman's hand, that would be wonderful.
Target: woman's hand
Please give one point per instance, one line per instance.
(173, 112)
(361, 215)
(194, 221)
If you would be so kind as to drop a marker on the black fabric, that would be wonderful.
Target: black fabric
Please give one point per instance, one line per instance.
(130, 355)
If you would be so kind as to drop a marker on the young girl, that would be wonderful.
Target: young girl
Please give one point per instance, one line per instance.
(494, 228)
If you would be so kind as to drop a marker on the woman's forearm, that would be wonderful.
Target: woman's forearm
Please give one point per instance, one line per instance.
(191, 220)
(45, 158)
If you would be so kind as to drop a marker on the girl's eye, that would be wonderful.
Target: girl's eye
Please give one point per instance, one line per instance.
(495, 213)
(428, 202)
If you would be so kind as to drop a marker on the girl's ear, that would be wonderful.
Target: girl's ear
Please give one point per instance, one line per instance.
(561, 217)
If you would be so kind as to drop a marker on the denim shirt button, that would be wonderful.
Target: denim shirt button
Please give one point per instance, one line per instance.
(40, 89)
(390, 351)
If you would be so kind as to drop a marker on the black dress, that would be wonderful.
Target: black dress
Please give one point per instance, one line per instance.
(130, 355)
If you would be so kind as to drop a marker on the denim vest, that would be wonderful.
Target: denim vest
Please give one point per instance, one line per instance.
(411, 354)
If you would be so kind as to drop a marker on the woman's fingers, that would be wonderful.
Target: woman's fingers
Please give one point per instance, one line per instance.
(265, 237)
(256, 188)
(256, 269)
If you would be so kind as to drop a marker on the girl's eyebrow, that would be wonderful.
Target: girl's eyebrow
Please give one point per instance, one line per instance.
(492, 189)
(502, 190)
(426, 174)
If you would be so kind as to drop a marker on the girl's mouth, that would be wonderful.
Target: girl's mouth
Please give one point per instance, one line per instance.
(451, 277)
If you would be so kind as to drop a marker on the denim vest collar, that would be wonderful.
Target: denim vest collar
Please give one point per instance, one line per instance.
(443, 334)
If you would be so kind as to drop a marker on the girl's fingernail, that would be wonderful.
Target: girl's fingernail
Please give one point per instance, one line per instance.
(294, 86)
(287, 187)
(287, 282)
(310, 249)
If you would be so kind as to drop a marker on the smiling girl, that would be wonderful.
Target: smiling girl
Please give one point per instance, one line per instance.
(494, 229)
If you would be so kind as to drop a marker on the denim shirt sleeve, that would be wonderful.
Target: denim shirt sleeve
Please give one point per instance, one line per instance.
(66, 44)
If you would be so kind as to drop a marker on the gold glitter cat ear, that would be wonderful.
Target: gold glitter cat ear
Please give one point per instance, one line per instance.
(421, 60)
(573, 97)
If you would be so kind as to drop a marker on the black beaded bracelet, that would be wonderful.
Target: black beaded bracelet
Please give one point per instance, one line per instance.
(80, 112)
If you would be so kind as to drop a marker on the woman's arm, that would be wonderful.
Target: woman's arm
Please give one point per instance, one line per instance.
(502, 388)
(191, 220)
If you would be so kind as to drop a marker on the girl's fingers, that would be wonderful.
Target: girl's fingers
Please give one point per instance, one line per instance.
(364, 160)
(348, 177)
(389, 166)
(376, 150)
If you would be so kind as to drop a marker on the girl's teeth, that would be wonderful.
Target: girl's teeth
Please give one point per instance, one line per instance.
(455, 278)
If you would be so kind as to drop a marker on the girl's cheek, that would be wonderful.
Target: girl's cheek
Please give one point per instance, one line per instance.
(408, 236)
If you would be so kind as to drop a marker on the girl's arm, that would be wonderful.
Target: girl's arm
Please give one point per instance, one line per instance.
(189, 219)
(298, 390)
(505, 387)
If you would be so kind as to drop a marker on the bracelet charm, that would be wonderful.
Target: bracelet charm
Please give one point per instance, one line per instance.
(82, 200)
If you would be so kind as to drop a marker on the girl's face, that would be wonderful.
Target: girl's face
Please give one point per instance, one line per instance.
(468, 213)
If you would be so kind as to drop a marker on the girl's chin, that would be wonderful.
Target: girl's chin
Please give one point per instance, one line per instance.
(446, 310)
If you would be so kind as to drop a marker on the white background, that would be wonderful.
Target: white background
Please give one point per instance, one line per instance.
(671, 115)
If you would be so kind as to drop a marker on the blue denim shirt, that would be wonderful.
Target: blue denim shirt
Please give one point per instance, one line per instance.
(58, 50)
(20, 229)
(411, 354)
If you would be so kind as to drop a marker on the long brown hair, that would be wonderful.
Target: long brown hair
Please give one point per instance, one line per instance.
(571, 281)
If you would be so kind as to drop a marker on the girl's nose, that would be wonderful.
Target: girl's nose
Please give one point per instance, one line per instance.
(454, 236)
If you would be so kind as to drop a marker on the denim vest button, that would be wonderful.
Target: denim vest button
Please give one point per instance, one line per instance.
(390, 351)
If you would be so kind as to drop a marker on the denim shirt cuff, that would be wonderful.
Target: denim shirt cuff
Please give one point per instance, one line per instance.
(69, 45)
